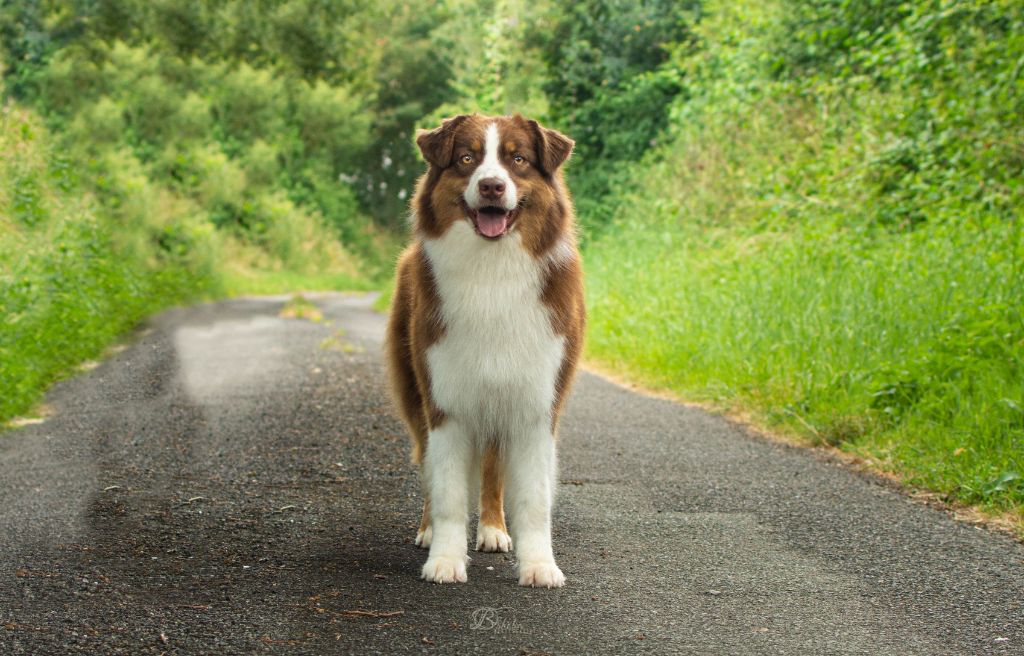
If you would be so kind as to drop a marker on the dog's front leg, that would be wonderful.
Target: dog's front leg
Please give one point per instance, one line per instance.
(530, 487)
(448, 464)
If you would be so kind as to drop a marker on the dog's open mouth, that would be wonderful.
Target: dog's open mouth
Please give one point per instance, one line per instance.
(491, 222)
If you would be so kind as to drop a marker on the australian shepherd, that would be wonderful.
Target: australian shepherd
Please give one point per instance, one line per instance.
(484, 335)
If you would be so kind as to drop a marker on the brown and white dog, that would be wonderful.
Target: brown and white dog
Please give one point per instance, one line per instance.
(485, 332)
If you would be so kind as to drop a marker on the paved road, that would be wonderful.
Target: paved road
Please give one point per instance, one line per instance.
(234, 483)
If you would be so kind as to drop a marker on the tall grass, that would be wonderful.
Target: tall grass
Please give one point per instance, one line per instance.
(764, 261)
(910, 350)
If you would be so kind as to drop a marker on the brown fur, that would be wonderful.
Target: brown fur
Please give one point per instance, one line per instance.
(492, 488)
(414, 325)
(545, 221)
(563, 294)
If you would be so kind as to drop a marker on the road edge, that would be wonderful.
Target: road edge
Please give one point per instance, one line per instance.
(1000, 523)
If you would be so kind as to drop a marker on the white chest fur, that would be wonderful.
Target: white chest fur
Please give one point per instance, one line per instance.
(496, 366)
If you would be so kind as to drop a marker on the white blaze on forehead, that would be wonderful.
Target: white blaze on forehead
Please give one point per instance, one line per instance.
(491, 168)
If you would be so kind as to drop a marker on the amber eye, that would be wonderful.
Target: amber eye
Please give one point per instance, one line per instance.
(466, 159)
(518, 159)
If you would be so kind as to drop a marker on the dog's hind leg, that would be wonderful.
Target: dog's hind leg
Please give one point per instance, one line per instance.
(491, 532)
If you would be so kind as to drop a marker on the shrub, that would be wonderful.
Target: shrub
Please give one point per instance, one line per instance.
(332, 123)
(70, 81)
(193, 120)
(836, 249)
(261, 165)
(250, 103)
(101, 123)
(152, 107)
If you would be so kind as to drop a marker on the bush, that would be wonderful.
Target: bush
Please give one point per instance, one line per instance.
(99, 124)
(183, 24)
(333, 124)
(250, 103)
(193, 120)
(70, 81)
(330, 89)
(261, 164)
(152, 106)
(835, 35)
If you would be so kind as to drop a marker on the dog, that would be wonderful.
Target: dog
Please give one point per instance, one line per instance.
(484, 335)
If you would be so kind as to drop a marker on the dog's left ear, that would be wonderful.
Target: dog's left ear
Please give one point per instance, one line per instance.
(553, 147)
(437, 144)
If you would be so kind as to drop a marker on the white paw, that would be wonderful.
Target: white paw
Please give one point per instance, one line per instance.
(444, 569)
(541, 575)
(423, 538)
(492, 538)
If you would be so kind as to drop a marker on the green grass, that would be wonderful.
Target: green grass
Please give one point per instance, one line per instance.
(910, 351)
(72, 276)
(773, 259)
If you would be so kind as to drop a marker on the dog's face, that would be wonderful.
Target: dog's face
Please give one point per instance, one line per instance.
(499, 174)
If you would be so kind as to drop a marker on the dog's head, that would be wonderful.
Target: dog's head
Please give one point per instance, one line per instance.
(500, 174)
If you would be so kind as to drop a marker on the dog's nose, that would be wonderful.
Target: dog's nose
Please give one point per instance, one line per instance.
(492, 188)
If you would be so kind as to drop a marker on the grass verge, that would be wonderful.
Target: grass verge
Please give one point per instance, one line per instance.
(74, 277)
(777, 258)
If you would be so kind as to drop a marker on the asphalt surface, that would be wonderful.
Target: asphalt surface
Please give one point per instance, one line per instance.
(235, 483)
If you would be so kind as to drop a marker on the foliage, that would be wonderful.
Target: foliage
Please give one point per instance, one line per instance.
(332, 89)
(610, 87)
(837, 247)
(497, 63)
(74, 273)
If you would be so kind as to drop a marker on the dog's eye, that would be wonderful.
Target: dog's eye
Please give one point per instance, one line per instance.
(518, 159)
(467, 159)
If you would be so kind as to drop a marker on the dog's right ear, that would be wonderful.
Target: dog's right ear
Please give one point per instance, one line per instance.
(437, 144)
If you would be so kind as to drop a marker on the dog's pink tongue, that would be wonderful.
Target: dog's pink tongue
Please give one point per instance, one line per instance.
(492, 225)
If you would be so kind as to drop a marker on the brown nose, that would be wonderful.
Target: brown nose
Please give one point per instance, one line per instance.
(492, 188)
